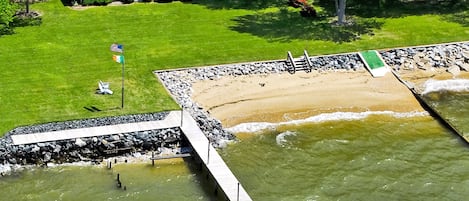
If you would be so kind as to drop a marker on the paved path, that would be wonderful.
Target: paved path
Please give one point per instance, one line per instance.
(172, 120)
(223, 176)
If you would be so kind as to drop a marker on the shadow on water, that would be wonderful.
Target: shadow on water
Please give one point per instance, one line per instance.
(286, 25)
(204, 178)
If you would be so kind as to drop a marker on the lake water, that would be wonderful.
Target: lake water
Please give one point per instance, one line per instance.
(336, 156)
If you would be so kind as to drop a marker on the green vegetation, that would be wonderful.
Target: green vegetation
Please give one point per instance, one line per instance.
(7, 10)
(50, 72)
(96, 2)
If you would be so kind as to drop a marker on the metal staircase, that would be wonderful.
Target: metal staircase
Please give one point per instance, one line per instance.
(297, 64)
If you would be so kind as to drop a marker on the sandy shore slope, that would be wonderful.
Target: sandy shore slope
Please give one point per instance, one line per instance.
(281, 97)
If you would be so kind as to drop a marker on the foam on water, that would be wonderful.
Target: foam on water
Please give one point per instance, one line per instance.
(280, 138)
(253, 127)
(135, 158)
(458, 85)
(6, 169)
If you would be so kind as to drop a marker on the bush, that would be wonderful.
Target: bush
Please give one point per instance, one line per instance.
(5, 30)
(127, 1)
(22, 19)
(96, 2)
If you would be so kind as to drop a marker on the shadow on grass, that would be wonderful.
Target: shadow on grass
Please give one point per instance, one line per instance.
(461, 18)
(451, 10)
(397, 8)
(285, 26)
(21, 19)
(240, 4)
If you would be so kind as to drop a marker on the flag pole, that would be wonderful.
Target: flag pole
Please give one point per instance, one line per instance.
(123, 70)
(120, 59)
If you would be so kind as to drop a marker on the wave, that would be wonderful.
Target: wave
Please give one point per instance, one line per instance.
(280, 138)
(458, 85)
(136, 158)
(253, 127)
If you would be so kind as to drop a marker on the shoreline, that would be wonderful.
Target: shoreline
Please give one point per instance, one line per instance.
(283, 97)
(337, 83)
(439, 59)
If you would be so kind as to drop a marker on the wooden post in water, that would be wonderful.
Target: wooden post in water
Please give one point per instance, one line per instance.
(152, 158)
(237, 195)
(182, 114)
(208, 152)
(109, 166)
(119, 183)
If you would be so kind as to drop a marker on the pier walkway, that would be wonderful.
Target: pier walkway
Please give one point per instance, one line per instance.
(213, 161)
(172, 120)
(220, 172)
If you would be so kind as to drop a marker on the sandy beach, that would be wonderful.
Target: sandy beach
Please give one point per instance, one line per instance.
(283, 97)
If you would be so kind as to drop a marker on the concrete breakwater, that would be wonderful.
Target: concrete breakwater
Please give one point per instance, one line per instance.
(88, 148)
(179, 84)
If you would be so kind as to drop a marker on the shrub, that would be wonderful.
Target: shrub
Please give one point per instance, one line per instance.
(5, 30)
(23, 18)
(127, 1)
(96, 2)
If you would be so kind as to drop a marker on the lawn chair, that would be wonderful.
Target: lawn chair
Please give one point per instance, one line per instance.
(103, 88)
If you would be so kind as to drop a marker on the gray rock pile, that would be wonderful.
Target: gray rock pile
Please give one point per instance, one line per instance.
(337, 62)
(452, 57)
(88, 149)
(91, 148)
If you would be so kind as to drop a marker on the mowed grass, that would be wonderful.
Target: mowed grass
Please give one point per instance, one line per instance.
(50, 72)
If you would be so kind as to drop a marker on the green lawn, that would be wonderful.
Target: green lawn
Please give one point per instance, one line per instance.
(50, 72)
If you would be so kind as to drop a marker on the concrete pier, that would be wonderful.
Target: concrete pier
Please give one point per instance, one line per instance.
(213, 161)
(222, 175)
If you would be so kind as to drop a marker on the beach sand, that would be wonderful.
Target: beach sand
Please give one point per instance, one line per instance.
(283, 97)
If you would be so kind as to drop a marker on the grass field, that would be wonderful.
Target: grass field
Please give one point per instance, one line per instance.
(50, 72)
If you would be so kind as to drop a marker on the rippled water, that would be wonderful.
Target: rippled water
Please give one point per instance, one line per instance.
(168, 180)
(336, 156)
(377, 158)
(452, 106)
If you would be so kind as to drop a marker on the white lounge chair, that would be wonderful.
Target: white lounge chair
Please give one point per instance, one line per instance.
(103, 88)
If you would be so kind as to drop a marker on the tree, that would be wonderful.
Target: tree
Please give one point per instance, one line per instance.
(7, 12)
(340, 8)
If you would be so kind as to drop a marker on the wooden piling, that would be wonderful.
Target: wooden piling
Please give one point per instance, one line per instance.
(237, 194)
(119, 183)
